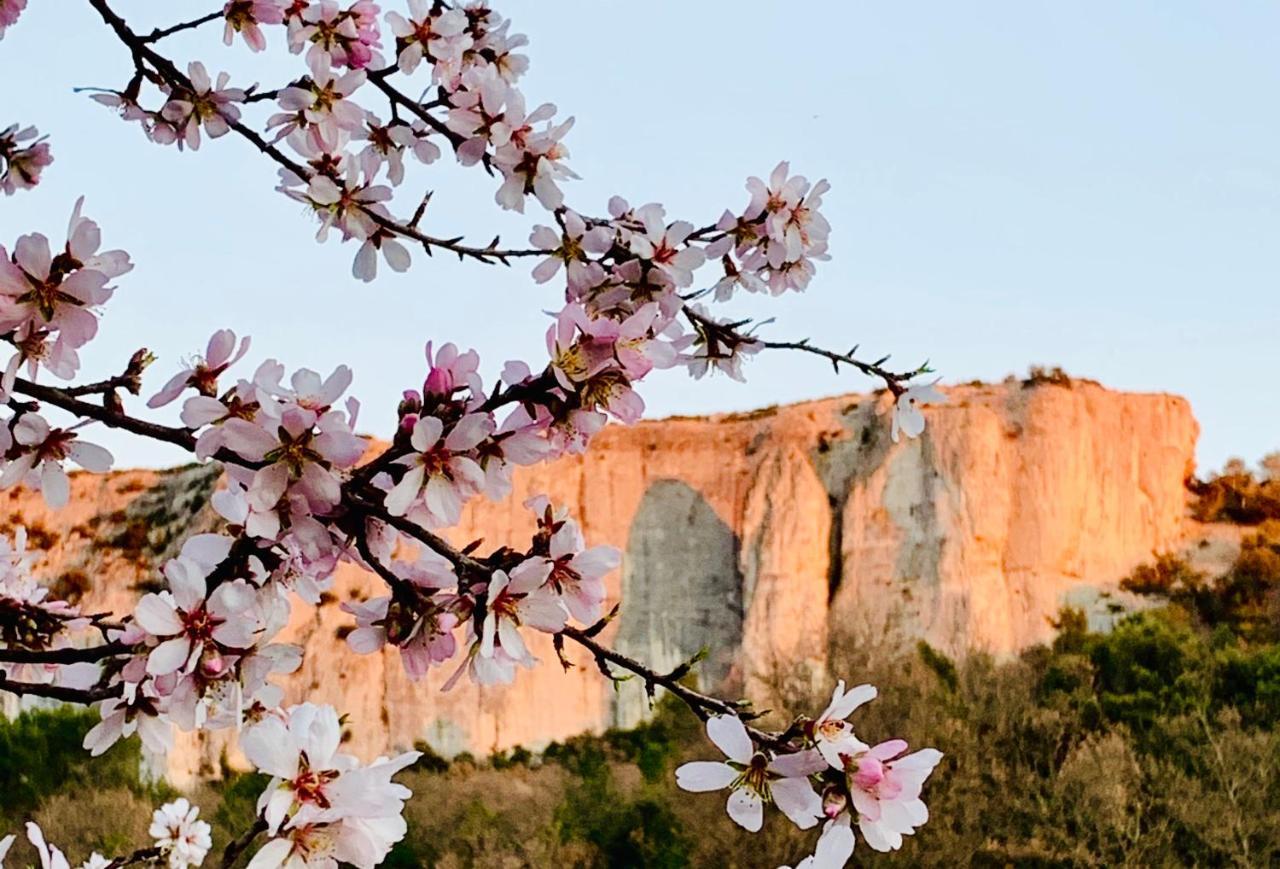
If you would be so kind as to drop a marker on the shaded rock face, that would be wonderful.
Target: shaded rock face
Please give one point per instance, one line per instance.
(682, 587)
(762, 536)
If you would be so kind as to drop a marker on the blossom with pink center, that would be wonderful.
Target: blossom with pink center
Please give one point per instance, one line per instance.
(186, 617)
(23, 155)
(886, 792)
(387, 144)
(778, 197)
(512, 600)
(665, 246)
(207, 104)
(203, 372)
(347, 205)
(571, 434)
(440, 476)
(312, 782)
(181, 837)
(56, 293)
(43, 450)
(907, 416)
(34, 349)
(341, 37)
(755, 779)
(325, 101)
(244, 16)
(431, 33)
(534, 165)
(577, 573)
(571, 248)
(303, 451)
(831, 733)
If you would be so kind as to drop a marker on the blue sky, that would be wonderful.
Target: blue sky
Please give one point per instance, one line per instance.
(1092, 185)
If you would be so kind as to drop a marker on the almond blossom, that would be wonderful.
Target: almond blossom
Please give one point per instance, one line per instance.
(417, 619)
(664, 245)
(180, 836)
(244, 16)
(207, 104)
(440, 476)
(754, 779)
(324, 102)
(831, 733)
(23, 154)
(41, 450)
(183, 620)
(428, 32)
(907, 417)
(571, 249)
(9, 12)
(313, 783)
(203, 372)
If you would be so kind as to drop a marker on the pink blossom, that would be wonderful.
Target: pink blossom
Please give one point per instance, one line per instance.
(886, 792)
(428, 33)
(664, 245)
(184, 620)
(244, 16)
(42, 452)
(571, 249)
(207, 104)
(440, 476)
(325, 101)
(203, 372)
(22, 163)
(9, 12)
(451, 370)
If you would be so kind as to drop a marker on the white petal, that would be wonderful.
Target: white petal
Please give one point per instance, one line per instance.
(705, 775)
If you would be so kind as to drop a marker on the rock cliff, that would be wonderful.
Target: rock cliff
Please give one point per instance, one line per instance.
(759, 535)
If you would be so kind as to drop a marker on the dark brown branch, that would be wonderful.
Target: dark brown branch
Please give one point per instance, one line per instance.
(158, 34)
(174, 77)
(236, 847)
(702, 704)
(83, 696)
(729, 333)
(142, 855)
(62, 656)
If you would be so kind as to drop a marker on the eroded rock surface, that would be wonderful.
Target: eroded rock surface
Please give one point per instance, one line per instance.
(759, 535)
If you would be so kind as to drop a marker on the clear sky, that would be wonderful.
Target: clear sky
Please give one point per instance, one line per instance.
(1093, 185)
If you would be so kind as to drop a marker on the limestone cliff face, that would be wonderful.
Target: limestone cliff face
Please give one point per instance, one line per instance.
(758, 535)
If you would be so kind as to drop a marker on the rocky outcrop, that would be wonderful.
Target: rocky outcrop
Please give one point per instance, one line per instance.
(758, 535)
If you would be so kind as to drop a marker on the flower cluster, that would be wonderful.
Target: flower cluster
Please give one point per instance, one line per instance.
(296, 500)
(49, 300)
(181, 840)
(24, 153)
(557, 579)
(201, 649)
(776, 240)
(321, 805)
(875, 787)
(29, 618)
